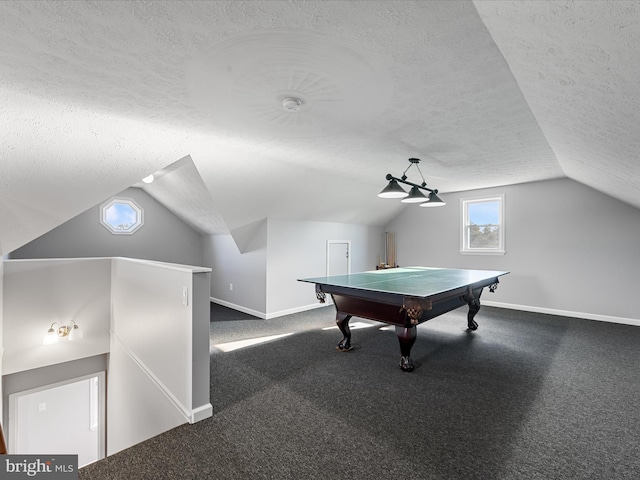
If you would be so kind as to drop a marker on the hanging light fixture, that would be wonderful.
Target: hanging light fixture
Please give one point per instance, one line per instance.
(70, 331)
(415, 195)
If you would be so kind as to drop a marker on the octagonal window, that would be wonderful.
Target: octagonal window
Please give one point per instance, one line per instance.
(121, 216)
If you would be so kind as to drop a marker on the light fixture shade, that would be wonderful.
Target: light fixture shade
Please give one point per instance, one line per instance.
(75, 333)
(434, 201)
(148, 179)
(393, 190)
(51, 337)
(415, 196)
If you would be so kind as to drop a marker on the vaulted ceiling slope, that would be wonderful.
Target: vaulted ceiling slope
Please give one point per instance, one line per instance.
(97, 95)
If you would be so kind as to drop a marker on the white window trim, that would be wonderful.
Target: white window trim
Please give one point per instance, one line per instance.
(464, 202)
(105, 206)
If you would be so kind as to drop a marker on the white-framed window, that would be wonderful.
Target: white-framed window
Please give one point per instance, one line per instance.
(483, 225)
(121, 216)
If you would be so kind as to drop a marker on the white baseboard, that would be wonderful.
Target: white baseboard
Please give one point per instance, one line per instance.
(564, 313)
(200, 413)
(304, 308)
(510, 306)
(268, 316)
(240, 308)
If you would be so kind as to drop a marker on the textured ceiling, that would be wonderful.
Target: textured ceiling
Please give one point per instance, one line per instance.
(97, 95)
(577, 66)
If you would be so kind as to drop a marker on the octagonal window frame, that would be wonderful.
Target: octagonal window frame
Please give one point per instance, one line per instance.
(116, 229)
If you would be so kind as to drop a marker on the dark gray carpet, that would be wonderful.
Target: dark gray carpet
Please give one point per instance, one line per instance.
(526, 396)
(220, 313)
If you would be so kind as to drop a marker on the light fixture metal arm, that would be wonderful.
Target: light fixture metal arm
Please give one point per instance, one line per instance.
(406, 182)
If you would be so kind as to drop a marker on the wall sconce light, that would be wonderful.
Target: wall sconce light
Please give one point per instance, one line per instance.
(69, 331)
(393, 190)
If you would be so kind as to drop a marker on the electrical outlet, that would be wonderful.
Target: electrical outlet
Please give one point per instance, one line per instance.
(231, 286)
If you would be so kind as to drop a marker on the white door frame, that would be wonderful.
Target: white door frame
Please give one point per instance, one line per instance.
(332, 242)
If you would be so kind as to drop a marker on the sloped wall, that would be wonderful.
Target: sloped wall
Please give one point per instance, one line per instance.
(163, 237)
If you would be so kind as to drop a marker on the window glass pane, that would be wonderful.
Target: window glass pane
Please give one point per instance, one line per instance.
(484, 237)
(121, 216)
(484, 213)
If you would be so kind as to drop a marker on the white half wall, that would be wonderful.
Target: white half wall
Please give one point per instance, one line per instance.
(151, 319)
(151, 362)
(570, 249)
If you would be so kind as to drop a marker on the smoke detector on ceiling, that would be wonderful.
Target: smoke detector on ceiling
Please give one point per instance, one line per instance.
(291, 104)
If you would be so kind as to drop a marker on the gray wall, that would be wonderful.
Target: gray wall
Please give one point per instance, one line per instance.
(569, 247)
(163, 237)
(246, 271)
(299, 250)
(278, 252)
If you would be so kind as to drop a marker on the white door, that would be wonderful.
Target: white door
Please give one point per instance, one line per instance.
(66, 418)
(338, 261)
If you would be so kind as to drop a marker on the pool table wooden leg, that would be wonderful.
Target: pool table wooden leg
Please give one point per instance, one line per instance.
(342, 319)
(473, 300)
(474, 307)
(406, 337)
